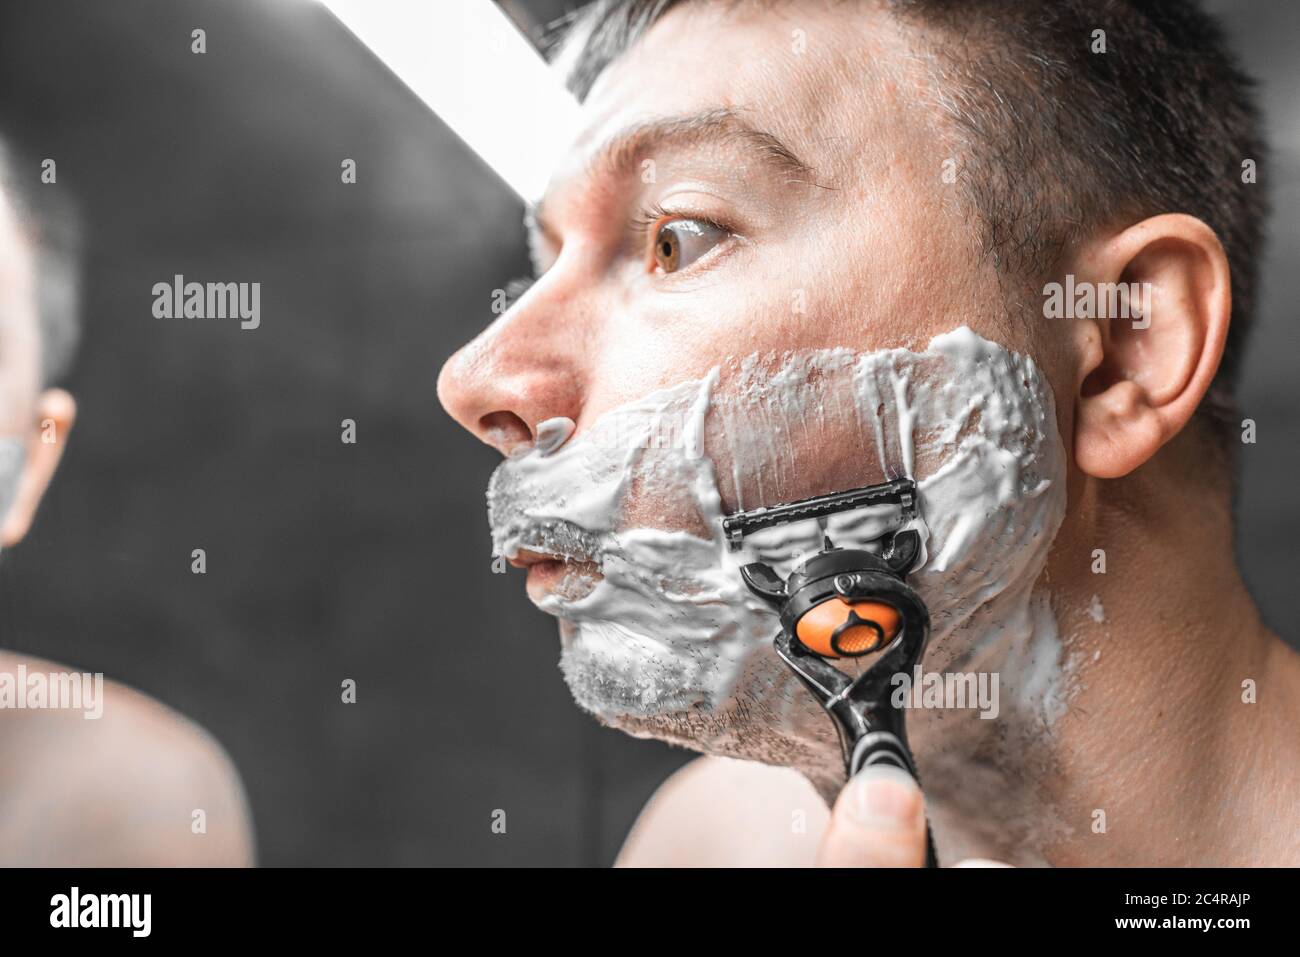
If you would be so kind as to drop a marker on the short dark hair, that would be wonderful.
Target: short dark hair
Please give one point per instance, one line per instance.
(50, 221)
(1062, 141)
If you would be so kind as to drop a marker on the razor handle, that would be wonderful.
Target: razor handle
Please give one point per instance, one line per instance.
(872, 731)
(881, 747)
(847, 603)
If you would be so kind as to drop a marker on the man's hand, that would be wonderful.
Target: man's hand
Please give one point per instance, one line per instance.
(879, 821)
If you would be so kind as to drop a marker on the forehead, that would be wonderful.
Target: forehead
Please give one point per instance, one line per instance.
(823, 78)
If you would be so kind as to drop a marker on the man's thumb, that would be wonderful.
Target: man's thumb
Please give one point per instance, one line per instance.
(878, 821)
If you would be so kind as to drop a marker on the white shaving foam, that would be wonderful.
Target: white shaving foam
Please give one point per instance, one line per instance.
(667, 642)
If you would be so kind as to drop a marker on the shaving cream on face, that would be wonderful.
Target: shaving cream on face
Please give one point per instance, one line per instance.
(552, 433)
(666, 641)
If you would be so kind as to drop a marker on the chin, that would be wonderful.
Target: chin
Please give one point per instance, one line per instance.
(764, 715)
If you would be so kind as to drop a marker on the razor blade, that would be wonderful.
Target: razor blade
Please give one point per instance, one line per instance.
(900, 492)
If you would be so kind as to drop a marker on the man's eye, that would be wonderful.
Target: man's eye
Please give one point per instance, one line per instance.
(679, 242)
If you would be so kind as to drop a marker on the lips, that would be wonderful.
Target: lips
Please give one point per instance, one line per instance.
(527, 558)
(556, 576)
(565, 581)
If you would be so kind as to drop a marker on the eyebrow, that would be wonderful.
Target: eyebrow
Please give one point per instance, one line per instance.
(725, 126)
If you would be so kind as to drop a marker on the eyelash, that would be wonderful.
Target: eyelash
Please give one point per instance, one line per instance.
(640, 225)
(654, 215)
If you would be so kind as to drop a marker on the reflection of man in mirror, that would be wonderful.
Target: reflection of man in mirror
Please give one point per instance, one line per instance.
(91, 773)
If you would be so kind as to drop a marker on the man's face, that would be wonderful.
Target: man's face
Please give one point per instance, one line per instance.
(34, 425)
(750, 186)
(869, 249)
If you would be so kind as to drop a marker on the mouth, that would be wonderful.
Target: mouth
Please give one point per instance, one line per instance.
(559, 576)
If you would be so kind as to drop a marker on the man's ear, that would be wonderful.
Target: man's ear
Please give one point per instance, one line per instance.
(1141, 377)
(55, 413)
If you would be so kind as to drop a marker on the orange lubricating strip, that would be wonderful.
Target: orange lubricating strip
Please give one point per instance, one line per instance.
(818, 624)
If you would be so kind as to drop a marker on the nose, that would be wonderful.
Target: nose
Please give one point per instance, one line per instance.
(523, 369)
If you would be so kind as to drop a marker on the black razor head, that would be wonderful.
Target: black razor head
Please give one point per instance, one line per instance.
(833, 587)
(898, 492)
(901, 550)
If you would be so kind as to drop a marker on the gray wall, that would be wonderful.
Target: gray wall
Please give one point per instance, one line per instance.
(1267, 34)
(369, 562)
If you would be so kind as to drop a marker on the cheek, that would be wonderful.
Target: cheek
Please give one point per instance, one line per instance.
(19, 383)
(787, 426)
(769, 299)
(779, 425)
(790, 425)
(19, 369)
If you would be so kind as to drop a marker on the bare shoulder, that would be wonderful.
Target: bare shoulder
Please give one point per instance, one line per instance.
(720, 812)
(139, 785)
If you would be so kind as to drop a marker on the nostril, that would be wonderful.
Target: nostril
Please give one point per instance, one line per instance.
(505, 431)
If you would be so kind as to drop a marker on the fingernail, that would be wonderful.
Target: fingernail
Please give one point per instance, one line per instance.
(884, 797)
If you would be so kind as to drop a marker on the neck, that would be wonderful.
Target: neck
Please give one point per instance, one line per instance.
(1175, 744)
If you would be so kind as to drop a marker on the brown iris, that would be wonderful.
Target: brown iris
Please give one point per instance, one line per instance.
(679, 242)
(668, 248)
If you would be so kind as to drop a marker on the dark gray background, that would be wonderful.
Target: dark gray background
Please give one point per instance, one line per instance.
(370, 561)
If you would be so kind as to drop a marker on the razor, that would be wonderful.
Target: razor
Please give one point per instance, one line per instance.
(846, 603)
